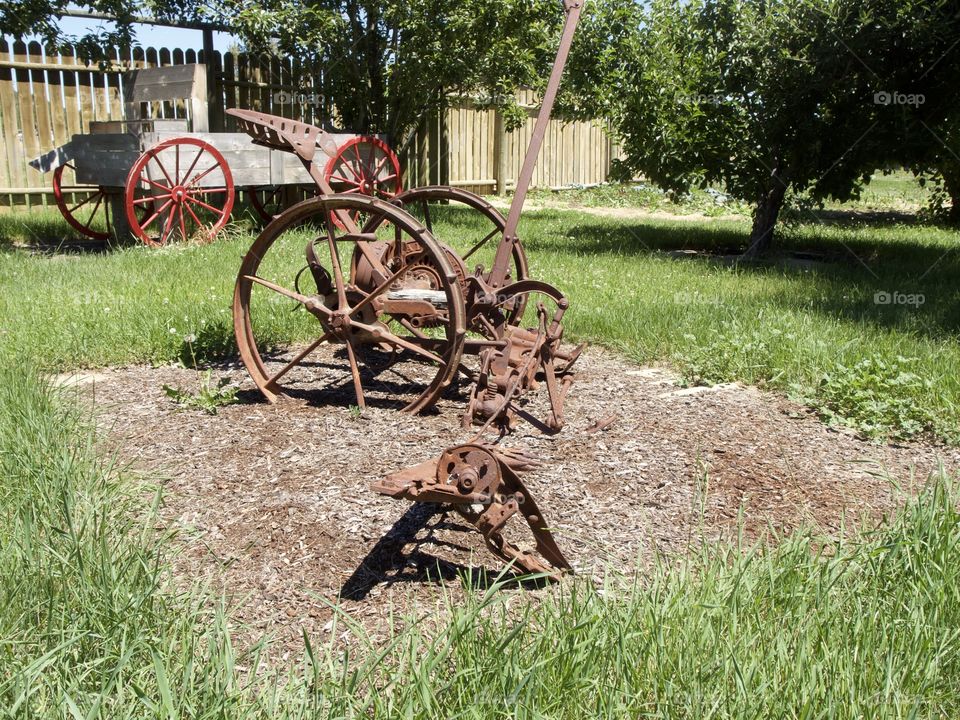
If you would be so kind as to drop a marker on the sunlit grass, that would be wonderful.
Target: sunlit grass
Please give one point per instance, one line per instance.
(811, 627)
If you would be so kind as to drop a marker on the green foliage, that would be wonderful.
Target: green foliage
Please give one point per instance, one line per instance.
(761, 97)
(382, 65)
(877, 397)
(209, 397)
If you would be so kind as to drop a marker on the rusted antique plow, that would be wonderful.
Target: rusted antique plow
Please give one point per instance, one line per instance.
(377, 279)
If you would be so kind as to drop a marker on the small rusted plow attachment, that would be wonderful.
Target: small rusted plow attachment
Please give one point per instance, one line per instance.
(378, 280)
(480, 482)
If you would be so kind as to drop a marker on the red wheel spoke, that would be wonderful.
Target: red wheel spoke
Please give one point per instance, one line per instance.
(194, 215)
(150, 199)
(84, 202)
(198, 201)
(193, 164)
(156, 159)
(154, 183)
(348, 166)
(379, 167)
(167, 226)
(207, 191)
(202, 175)
(156, 214)
(95, 208)
(183, 225)
(346, 180)
(177, 166)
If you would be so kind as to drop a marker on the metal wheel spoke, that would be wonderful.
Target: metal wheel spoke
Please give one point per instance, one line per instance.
(387, 336)
(299, 358)
(335, 263)
(481, 243)
(355, 372)
(377, 291)
(310, 303)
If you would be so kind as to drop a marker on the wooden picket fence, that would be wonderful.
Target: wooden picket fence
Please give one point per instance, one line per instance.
(46, 98)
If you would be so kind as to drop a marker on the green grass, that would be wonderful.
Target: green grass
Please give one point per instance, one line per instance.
(790, 327)
(812, 627)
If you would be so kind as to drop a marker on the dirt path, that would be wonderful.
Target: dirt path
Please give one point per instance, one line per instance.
(272, 502)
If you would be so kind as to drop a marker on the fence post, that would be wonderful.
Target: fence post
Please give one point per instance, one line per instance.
(214, 93)
(500, 152)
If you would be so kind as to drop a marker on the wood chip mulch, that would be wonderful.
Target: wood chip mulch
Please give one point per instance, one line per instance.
(271, 503)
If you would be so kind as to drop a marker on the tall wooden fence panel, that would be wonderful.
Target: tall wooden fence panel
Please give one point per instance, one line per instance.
(46, 98)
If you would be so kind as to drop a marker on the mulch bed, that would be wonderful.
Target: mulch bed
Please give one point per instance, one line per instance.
(272, 502)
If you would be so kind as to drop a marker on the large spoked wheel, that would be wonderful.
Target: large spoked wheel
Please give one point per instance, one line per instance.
(473, 235)
(187, 189)
(364, 165)
(90, 215)
(382, 317)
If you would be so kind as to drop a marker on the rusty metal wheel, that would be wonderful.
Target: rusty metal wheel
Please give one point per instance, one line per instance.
(382, 315)
(186, 186)
(474, 241)
(365, 165)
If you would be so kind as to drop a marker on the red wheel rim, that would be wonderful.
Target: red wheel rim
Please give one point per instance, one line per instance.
(266, 200)
(270, 200)
(82, 215)
(364, 165)
(187, 188)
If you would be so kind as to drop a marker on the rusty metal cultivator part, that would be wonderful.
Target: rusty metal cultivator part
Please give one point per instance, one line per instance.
(480, 482)
(405, 292)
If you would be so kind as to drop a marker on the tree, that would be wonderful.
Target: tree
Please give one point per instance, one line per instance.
(762, 96)
(384, 64)
(41, 18)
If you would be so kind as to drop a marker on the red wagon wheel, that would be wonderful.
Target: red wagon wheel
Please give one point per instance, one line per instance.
(187, 188)
(87, 215)
(270, 200)
(364, 165)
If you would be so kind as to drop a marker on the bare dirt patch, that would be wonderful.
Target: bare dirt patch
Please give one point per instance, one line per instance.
(272, 502)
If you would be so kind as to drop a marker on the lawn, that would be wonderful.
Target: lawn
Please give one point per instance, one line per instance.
(858, 319)
(813, 627)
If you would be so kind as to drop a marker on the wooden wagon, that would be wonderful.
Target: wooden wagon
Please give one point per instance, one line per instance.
(160, 178)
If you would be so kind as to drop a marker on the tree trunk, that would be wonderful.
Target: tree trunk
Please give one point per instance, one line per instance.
(765, 215)
(951, 183)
